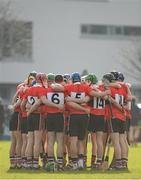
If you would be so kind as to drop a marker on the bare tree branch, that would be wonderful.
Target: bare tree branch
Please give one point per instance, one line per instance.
(131, 60)
(127, 68)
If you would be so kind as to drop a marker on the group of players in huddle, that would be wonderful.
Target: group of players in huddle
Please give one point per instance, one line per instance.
(64, 109)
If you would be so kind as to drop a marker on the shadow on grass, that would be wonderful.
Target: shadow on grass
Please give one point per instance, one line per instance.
(89, 171)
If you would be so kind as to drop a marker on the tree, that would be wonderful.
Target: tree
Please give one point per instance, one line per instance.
(6, 14)
(5, 10)
(15, 34)
(131, 60)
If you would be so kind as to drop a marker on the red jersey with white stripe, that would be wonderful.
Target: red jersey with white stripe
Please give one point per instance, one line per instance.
(77, 90)
(128, 111)
(33, 94)
(20, 91)
(120, 95)
(55, 97)
(22, 95)
(97, 103)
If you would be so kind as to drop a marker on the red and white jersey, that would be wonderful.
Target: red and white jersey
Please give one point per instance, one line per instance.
(55, 97)
(20, 91)
(128, 111)
(21, 96)
(120, 95)
(97, 103)
(33, 94)
(77, 90)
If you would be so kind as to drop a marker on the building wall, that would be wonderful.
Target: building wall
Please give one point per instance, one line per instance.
(57, 42)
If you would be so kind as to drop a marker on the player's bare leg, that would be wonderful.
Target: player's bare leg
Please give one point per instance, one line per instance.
(18, 148)
(29, 148)
(12, 151)
(44, 152)
(51, 142)
(66, 150)
(24, 144)
(85, 149)
(117, 149)
(81, 153)
(59, 139)
(124, 150)
(94, 149)
(73, 152)
(99, 141)
(37, 146)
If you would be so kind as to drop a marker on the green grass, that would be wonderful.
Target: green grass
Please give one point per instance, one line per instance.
(133, 173)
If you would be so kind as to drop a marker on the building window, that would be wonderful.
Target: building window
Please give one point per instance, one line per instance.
(16, 40)
(98, 29)
(109, 30)
(132, 31)
(118, 30)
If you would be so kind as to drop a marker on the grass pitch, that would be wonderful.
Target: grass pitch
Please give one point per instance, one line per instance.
(133, 173)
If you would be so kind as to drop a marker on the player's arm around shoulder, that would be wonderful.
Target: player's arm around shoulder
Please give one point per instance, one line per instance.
(99, 93)
(78, 100)
(34, 107)
(58, 87)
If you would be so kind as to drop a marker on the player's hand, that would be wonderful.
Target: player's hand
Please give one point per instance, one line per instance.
(60, 106)
(87, 110)
(28, 113)
(105, 97)
(130, 98)
(12, 108)
(107, 92)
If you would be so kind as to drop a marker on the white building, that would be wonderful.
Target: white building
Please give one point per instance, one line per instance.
(68, 36)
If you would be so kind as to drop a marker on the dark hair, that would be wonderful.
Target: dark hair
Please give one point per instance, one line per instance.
(33, 73)
(58, 78)
(120, 76)
(109, 77)
(115, 74)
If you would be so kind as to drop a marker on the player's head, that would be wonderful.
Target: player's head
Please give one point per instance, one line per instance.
(31, 77)
(120, 77)
(75, 77)
(41, 78)
(30, 80)
(83, 81)
(91, 78)
(115, 74)
(33, 73)
(108, 77)
(66, 77)
(59, 78)
(50, 78)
